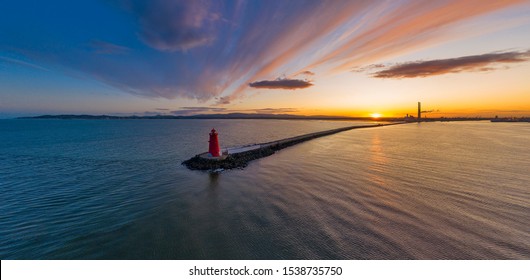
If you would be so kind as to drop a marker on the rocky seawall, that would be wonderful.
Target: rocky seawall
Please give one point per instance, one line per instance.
(240, 160)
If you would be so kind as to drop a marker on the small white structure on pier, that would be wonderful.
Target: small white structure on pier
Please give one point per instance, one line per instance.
(241, 149)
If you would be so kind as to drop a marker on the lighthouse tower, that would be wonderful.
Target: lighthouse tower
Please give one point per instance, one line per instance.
(214, 149)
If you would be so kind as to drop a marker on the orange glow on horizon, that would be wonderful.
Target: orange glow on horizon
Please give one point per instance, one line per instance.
(438, 111)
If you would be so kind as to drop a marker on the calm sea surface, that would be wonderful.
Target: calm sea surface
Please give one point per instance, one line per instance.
(116, 189)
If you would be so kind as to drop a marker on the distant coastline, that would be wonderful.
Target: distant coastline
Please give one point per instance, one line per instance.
(244, 116)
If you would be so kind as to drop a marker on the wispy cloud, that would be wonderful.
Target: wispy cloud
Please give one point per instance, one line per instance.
(212, 50)
(102, 47)
(473, 63)
(199, 108)
(281, 84)
(185, 111)
(304, 73)
(149, 113)
(404, 28)
(23, 63)
(276, 110)
(174, 25)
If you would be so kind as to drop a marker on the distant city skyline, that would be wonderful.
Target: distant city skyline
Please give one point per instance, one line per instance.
(341, 58)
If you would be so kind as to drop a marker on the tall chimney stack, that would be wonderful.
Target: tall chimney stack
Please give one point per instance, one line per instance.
(419, 111)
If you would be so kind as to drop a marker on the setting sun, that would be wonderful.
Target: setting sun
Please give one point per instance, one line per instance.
(375, 115)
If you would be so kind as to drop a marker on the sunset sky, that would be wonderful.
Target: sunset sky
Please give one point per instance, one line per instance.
(349, 58)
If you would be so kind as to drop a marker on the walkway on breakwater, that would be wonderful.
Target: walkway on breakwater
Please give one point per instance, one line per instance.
(239, 157)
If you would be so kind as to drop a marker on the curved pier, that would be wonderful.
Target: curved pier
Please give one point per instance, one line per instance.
(241, 159)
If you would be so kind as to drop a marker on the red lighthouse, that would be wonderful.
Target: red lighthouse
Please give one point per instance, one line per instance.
(214, 149)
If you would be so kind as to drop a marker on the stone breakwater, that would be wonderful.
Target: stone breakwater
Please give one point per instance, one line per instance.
(240, 160)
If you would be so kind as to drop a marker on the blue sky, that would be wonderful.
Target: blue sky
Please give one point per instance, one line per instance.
(307, 57)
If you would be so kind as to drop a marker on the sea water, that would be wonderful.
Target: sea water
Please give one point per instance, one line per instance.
(116, 189)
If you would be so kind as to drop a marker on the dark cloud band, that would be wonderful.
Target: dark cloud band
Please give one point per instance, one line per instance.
(282, 84)
(473, 63)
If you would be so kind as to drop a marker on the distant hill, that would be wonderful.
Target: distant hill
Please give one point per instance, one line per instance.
(99, 117)
(242, 116)
(202, 116)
